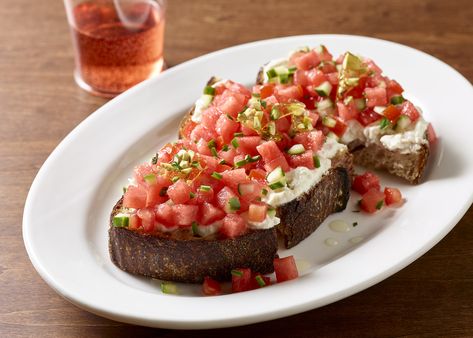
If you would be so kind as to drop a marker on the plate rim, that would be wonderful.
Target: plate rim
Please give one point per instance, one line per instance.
(222, 322)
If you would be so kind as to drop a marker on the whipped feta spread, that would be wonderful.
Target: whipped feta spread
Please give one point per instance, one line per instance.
(268, 223)
(206, 230)
(408, 141)
(355, 131)
(300, 180)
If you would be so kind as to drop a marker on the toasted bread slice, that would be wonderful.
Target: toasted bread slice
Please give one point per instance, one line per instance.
(181, 257)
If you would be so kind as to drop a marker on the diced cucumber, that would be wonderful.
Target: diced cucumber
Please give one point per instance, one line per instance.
(397, 99)
(209, 90)
(360, 104)
(296, 149)
(206, 100)
(324, 89)
(281, 70)
(245, 188)
(379, 109)
(121, 221)
(402, 123)
(329, 121)
(275, 175)
(271, 73)
(324, 105)
(271, 212)
(150, 179)
(169, 288)
(276, 185)
(332, 135)
(234, 204)
(316, 160)
(384, 123)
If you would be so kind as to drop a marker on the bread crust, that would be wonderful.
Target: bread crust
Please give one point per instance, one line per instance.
(303, 215)
(410, 166)
(187, 258)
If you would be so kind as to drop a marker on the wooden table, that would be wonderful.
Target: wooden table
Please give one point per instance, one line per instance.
(40, 104)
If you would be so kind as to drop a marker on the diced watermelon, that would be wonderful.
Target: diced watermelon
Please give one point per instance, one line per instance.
(332, 78)
(211, 287)
(210, 213)
(232, 178)
(408, 109)
(249, 191)
(392, 195)
(431, 135)
(307, 61)
(210, 117)
(233, 226)
(209, 163)
(135, 197)
(241, 279)
(203, 147)
(224, 198)
(286, 93)
(267, 90)
(393, 88)
(231, 103)
(154, 195)
(368, 116)
(363, 183)
(141, 171)
(257, 212)
(392, 113)
(226, 127)
(373, 66)
(134, 222)
(147, 217)
(285, 269)
(372, 200)
(300, 78)
(164, 214)
(258, 175)
(179, 192)
(376, 96)
(347, 112)
(228, 155)
(310, 140)
(305, 159)
(184, 215)
(248, 144)
(248, 131)
(283, 124)
(202, 195)
(316, 77)
(324, 54)
(201, 132)
(277, 162)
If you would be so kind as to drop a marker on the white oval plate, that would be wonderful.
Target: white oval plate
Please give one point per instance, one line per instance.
(66, 213)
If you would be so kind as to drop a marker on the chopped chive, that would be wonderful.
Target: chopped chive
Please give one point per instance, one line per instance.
(214, 151)
(275, 113)
(211, 144)
(264, 191)
(238, 134)
(260, 281)
(124, 189)
(241, 163)
(237, 273)
(271, 73)
(256, 95)
(216, 175)
(208, 90)
(235, 143)
(379, 205)
(205, 188)
(225, 147)
(229, 117)
(234, 203)
(384, 123)
(284, 78)
(195, 228)
(263, 104)
(355, 224)
(120, 221)
(169, 288)
(397, 99)
(222, 162)
(276, 185)
(292, 70)
(175, 179)
(163, 191)
(255, 158)
(316, 161)
(192, 194)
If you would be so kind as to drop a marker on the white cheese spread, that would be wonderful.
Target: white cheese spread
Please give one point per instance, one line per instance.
(268, 223)
(409, 141)
(300, 180)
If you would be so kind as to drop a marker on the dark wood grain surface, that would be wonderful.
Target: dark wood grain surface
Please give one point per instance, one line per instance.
(40, 104)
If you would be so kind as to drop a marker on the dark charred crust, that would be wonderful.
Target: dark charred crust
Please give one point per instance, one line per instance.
(260, 76)
(302, 216)
(189, 259)
(409, 166)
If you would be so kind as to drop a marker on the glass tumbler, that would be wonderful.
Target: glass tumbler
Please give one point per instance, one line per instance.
(117, 43)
